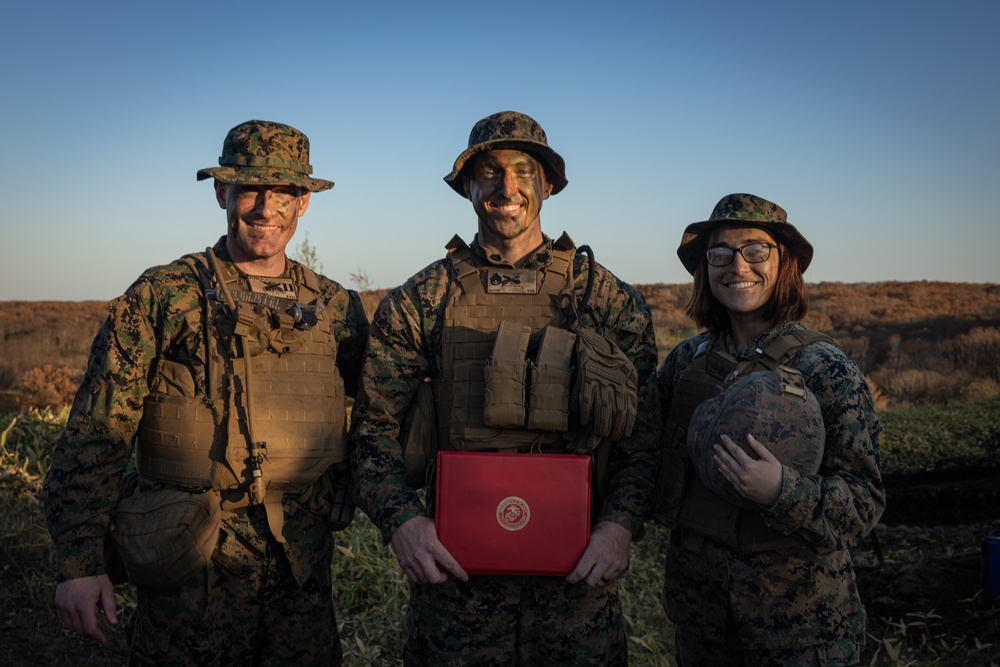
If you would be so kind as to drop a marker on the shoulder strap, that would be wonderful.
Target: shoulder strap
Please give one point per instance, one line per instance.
(783, 348)
(466, 271)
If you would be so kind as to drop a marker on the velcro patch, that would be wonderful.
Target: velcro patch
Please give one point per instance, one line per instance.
(512, 281)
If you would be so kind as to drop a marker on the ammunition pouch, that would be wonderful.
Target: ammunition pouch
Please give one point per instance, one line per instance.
(165, 535)
(550, 380)
(505, 401)
(606, 388)
(529, 394)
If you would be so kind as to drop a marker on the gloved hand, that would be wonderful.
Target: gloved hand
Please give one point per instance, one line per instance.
(606, 388)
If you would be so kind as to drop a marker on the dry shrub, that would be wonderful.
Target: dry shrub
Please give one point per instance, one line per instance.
(923, 387)
(982, 389)
(48, 387)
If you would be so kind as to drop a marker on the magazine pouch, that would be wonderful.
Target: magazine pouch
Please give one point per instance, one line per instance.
(506, 373)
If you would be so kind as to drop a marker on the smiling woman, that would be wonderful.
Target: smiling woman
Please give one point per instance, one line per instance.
(764, 577)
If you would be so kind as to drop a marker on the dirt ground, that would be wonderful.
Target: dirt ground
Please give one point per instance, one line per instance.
(925, 596)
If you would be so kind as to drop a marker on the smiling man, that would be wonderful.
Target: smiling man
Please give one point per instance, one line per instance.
(225, 373)
(440, 332)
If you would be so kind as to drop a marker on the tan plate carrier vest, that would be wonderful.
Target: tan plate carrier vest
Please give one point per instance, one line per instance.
(480, 299)
(685, 501)
(273, 419)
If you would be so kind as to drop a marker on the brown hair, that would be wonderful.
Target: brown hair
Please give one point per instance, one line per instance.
(788, 298)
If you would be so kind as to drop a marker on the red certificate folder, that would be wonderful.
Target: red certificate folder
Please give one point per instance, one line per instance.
(513, 513)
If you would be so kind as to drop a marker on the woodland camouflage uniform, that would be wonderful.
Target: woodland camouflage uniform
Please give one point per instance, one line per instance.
(404, 348)
(253, 582)
(494, 619)
(798, 603)
(792, 598)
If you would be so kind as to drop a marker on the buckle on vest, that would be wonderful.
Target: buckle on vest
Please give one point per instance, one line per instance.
(244, 320)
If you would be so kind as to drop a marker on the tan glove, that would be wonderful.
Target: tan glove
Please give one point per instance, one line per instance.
(606, 388)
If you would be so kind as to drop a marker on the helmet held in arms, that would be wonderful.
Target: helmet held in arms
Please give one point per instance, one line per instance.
(776, 408)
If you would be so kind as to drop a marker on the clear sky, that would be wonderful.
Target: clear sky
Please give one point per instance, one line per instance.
(875, 124)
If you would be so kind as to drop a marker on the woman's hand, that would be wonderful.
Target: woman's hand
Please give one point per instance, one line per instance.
(757, 479)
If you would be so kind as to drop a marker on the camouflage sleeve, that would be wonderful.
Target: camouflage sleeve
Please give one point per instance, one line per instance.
(633, 460)
(399, 357)
(83, 483)
(841, 504)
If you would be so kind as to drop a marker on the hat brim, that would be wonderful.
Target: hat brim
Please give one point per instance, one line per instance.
(692, 247)
(555, 166)
(263, 176)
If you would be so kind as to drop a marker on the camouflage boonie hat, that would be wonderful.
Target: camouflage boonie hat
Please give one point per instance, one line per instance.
(776, 408)
(748, 211)
(517, 131)
(259, 152)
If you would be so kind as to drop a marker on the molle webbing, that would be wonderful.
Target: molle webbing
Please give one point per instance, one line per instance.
(295, 402)
(471, 320)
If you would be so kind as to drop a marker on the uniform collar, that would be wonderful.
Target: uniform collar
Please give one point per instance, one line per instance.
(541, 258)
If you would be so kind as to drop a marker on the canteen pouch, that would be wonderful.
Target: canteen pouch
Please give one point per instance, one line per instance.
(165, 535)
(607, 386)
(549, 380)
(506, 371)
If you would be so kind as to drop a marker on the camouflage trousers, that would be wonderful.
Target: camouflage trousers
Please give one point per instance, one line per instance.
(247, 607)
(508, 620)
(786, 607)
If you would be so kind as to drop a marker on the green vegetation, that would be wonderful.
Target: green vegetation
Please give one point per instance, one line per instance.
(940, 436)
(370, 588)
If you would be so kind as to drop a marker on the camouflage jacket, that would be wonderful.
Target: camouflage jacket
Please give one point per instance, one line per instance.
(842, 503)
(405, 348)
(159, 316)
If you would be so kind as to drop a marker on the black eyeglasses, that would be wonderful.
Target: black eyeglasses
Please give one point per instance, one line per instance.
(753, 253)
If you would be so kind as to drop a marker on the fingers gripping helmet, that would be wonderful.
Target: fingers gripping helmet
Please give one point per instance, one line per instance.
(776, 408)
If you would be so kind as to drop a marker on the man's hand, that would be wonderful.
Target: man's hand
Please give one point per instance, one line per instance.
(606, 555)
(421, 554)
(77, 600)
(757, 479)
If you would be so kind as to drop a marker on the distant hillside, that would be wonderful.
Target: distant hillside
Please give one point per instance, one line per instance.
(35, 333)
(920, 342)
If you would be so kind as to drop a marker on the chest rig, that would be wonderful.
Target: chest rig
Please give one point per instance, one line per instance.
(482, 301)
(682, 499)
(272, 418)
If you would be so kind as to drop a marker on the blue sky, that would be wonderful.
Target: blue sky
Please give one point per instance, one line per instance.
(874, 124)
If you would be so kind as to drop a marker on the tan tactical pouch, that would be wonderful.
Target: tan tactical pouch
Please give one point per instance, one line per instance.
(506, 373)
(606, 388)
(549, 381)
(165, 535)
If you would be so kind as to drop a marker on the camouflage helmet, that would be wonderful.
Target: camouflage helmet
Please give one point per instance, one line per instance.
(517, 131)
(259, 152)
(776, 408)
(743, 210)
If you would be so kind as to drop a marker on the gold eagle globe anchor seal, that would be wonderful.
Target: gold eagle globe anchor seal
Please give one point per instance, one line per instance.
(513, 513)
